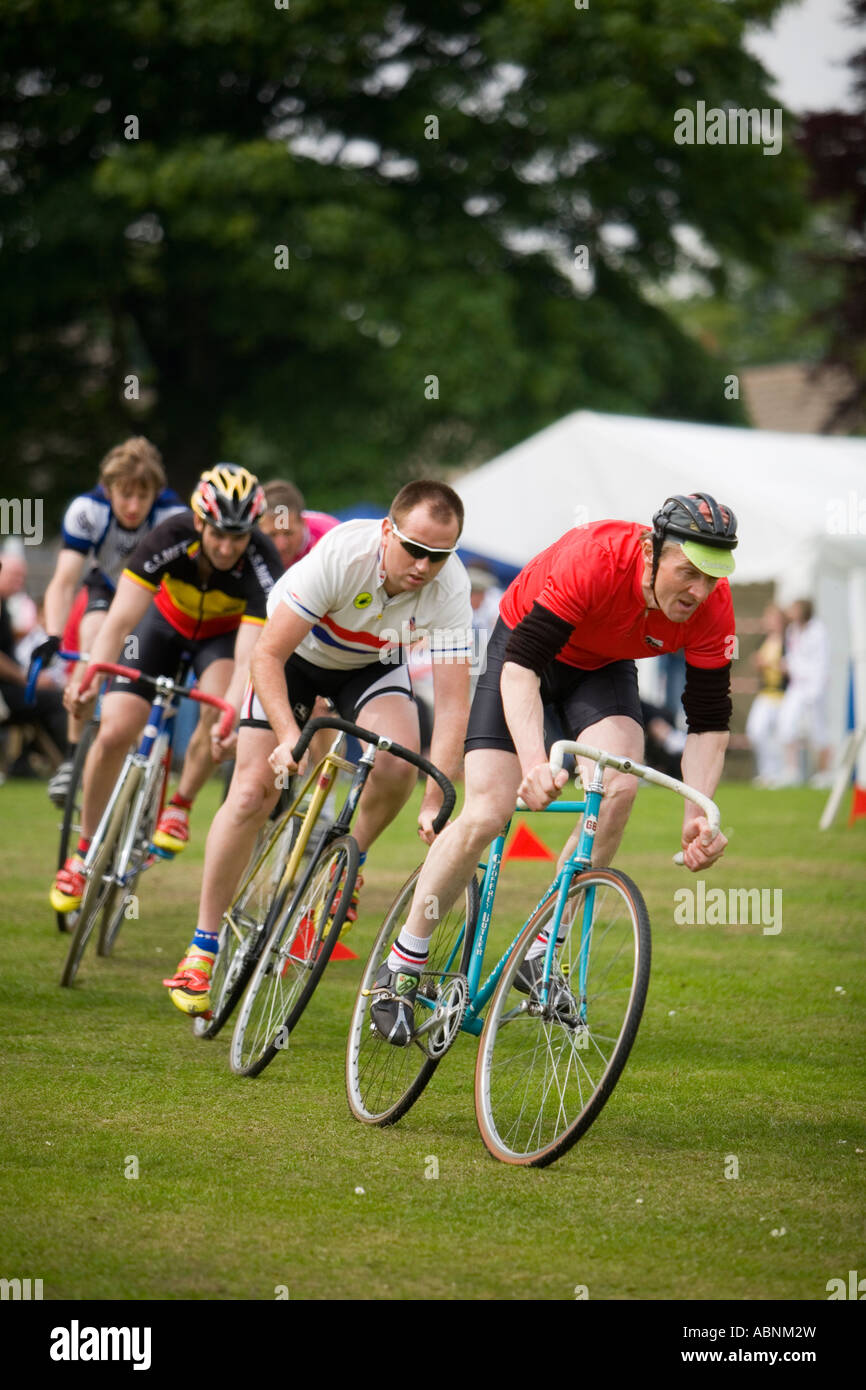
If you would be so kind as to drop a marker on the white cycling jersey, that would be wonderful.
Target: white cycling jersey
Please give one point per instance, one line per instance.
(340, 588)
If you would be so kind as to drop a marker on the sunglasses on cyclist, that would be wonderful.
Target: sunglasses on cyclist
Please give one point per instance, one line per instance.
(417, 550)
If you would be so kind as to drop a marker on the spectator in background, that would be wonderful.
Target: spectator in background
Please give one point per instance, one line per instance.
(664, 741)
(803, 713)
(20, 607)
(762, 725)
(47, 710)
(484, 597)
(673, 669)
(293, 530)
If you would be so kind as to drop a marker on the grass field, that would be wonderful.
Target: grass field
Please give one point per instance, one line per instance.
(748, 1048)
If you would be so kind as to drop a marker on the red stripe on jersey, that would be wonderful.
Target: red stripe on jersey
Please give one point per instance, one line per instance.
(368, 639)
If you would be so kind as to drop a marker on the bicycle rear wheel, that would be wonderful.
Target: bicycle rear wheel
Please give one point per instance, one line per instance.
(298, 949)
(383, 1081)
(244, 928)
(99, 883)
(70, 826)
(544, 1072)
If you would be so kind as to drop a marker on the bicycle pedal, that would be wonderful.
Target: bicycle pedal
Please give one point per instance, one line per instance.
(161, 853)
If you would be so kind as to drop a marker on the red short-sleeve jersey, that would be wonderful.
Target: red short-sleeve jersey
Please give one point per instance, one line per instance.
(593, 578)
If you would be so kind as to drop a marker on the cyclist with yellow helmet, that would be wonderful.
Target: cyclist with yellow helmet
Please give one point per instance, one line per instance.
(197, 584)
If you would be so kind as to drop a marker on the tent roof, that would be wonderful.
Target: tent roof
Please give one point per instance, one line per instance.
(800, 499)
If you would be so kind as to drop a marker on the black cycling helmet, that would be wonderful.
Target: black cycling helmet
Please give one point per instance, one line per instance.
(706, 531)
(229, 497)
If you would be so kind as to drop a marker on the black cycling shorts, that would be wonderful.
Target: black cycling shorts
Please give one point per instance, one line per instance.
(158, 649)
(577, 698)
(100, 592)
(349, 690)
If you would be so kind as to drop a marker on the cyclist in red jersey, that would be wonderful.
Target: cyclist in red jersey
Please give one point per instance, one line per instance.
(293, 530)
(571, 626)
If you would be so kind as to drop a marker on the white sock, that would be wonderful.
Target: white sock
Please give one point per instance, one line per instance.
(539, 946)
(409, 952)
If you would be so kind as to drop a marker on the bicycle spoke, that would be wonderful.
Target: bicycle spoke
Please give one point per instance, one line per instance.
(302, 937)
(382, 1080)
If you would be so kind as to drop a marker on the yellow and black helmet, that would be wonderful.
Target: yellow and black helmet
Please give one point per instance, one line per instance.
(229, 497)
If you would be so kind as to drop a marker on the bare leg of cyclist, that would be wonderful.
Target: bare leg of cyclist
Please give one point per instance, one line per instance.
(198, 763)
(122, 720)
(251, 797)
(252, 794)
(624, 736)
(87, 630)
(390, 784)
(492, 779)
(172, 832)
(58, 786)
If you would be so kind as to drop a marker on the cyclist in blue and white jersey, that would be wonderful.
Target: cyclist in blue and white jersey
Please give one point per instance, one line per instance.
(102, 526)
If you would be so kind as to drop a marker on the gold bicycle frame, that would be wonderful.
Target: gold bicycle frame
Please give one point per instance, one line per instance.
(324, 774)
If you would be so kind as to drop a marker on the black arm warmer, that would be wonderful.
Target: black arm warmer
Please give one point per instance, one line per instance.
(707, 699)
(537, 639)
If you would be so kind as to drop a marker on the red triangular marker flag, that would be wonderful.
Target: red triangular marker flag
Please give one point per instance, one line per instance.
(301, 946)
(858, 804)
(526, 845)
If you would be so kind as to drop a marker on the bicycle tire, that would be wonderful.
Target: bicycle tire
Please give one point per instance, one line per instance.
(93, 900)
(384, 1081)
(543, 1075)
(71, 824)
(291, 963)
(252, 912)
(117, 902)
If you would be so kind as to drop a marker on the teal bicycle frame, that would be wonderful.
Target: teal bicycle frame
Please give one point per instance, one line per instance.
(578, 862)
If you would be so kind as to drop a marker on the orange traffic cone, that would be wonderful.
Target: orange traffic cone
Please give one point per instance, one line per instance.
(525, 845)
(858, 804)
(301, 945)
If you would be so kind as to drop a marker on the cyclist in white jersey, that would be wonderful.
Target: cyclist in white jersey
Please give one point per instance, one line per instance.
(340, 623)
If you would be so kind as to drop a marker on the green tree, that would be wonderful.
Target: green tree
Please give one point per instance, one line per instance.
(834, 145)
(430, 168)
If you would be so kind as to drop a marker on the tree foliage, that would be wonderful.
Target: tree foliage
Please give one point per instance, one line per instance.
(430, 168)
(834, 145)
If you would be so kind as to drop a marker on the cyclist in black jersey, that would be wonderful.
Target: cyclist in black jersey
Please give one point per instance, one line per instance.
(199, 584)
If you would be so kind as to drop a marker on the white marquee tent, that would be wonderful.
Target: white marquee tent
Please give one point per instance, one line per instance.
(800, 500)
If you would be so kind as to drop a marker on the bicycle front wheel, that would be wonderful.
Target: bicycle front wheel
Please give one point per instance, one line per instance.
(383, 1081)
(244, 928)
(547, 1067)
(298, 949)
(99, 883)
